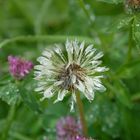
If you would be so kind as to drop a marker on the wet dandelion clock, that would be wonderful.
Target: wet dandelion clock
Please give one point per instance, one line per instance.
(74, 68)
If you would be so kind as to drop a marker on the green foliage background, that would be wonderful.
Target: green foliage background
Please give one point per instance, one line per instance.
(28, 26)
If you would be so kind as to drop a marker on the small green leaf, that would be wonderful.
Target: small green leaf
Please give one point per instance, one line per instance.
(136, 31)
(119, 22)
(104, 113)
(124, 22)
(136, 24)
(137, 39)
(9, 93)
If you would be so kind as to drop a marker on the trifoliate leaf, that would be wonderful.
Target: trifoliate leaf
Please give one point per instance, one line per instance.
(124, 21)
(27, 95)
(120, 22)
(110, 123)
(9, 93)
(30, 100)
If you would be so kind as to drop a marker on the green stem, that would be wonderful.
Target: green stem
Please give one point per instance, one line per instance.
(9, 122)
(130, 44)
(82, 5)
(81, 113)
(41, 17)
(45, 38)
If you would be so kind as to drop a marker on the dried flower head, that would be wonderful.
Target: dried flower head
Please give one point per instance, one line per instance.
(132, 5)
(67, 128)
(18, 67)
(76, 68)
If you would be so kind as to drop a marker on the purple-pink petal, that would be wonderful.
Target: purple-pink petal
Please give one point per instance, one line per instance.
(67, 128)
(18, 67)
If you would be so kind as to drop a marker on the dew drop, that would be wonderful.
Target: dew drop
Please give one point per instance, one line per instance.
(17, 90)
(44, 138)
(87, 6)
(137, 25)
(7, 93)
(98, 41)
(104, 128)
(92, 18)
(110, 125)
(91, 116)
(48, 130)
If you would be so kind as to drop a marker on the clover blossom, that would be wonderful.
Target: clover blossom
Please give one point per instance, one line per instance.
(65, 71)
(18, 67)
(68, 128)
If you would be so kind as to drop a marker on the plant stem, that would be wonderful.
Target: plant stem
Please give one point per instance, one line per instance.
(82, 5)
(81, 113)
(45, 38)
(41, 17)
(130, 44)
(9, 122)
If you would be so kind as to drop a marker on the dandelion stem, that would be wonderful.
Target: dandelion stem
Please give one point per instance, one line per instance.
(81, 113)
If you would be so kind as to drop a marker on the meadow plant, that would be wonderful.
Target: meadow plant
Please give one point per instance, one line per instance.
(69, 70)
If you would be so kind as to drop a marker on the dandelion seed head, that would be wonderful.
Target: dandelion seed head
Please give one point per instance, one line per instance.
(70, 75)
(76, 67)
